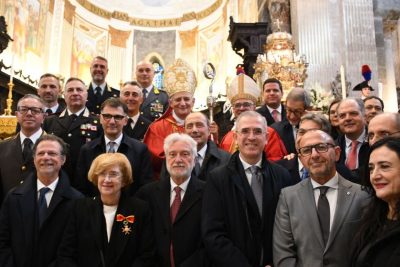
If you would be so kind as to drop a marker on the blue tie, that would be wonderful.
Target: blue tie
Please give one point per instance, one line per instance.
(305, 174)
(42, 204)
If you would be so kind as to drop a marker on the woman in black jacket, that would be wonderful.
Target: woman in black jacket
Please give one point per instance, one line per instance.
(113, 229)
(378, 241)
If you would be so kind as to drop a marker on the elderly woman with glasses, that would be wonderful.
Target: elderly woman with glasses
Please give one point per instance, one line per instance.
(112, 229)
(378, 241)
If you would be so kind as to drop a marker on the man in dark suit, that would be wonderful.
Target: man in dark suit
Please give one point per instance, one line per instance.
(353, 143)
(317, 218)
(99, 90)
(75, 125)
(298, 102)
(113, 119)
(272, 110)
(132, 96)
(240, 200)
(34, 214)
(176, 202)
(308, 122)
(49, 89)
(16, 161)
(209, 156)
(155, 101)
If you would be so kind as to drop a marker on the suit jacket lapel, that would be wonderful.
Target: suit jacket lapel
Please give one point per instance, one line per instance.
(306, 196)
(192, 195)
(163, 200)
(16, 155)
(63, 121)
(96, 220)
(150, 98)
(344, 199)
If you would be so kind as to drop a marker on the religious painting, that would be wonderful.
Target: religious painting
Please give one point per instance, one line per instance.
(29, 26)
(88, 41)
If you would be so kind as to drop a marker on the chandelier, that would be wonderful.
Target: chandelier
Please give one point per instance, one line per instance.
(280, 61)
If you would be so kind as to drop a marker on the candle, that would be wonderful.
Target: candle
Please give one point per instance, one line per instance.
(343, 82)
(380, 90)
(12, 69)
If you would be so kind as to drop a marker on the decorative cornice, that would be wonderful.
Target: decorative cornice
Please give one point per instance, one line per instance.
(154, 23)
(390, 21)
(118, 37)
(69, 11)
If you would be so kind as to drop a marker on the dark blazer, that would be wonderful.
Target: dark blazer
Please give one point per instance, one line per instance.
(22, 243)
(85, 239)
(139, 130)
(268, 116)
(185, 232)
(155, 104)
(84, 129)
(285, 132)
(213, 158)
(383, 252)
(233, 230)
(352, 175)
(136, 152)
(13, 169)
(292, 165)
(94, 104)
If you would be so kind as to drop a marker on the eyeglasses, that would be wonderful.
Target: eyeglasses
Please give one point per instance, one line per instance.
(110, 175)
(108, 117)
(34, 110)
(320, 148)
(247, 131)
(244, 105)
(297, 112)
(380, 135)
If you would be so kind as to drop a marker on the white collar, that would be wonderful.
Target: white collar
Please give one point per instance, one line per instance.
(333, 182)
(183, 185)
(117, 141)
(247, 165)
(34, 137)
(135, 117)
(69, 112)
(360, 139)
(179, 121)
(202, 151)
(51, 186)
(279, 109)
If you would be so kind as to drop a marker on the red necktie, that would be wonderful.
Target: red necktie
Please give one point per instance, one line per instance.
(275, 115)
(176, 204)
(352, 157)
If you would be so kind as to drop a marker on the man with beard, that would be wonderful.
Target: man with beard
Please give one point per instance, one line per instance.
(132, 96)
(176, 202)
(99, 90)
(311, 224)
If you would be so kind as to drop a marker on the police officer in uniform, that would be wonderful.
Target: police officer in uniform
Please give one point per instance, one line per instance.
(75, 125)
(155, 101)
(98, 90)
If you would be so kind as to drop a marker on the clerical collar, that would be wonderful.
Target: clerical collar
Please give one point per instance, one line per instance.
(179, 121)
(34, 137)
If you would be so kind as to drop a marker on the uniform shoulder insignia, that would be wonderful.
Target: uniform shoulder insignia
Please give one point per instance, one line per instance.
(156, 91)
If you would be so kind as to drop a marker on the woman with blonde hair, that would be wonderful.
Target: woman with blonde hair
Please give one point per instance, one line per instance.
(112, 229)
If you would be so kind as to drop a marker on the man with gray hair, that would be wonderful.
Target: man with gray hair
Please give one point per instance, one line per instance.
(176, 202)
(297, 103)
(240, 199)
(16, 160)
(383, 125)
(353, 143)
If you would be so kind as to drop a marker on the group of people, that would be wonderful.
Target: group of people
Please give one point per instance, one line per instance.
(135, 177)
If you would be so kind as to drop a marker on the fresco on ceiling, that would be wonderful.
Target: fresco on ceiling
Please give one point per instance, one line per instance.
(88, 41)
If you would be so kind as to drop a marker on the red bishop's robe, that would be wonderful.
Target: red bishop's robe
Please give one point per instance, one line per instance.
(155, 135)
(274, 149)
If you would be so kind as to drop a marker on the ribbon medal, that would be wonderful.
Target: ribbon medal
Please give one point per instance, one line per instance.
(126, 229)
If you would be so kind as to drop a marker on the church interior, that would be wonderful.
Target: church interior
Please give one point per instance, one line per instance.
(320, 45)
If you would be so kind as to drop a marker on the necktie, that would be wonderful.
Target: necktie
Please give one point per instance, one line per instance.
(42, 204)
(144, 93)
(323, 212)
(176, 204)
(98, 92)
(352, 157)
(130, 123)
(275, 115)
(305, 174)
(256, 186)
(197, 165)
(27, 150)
(111, 147)
(49, 111)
